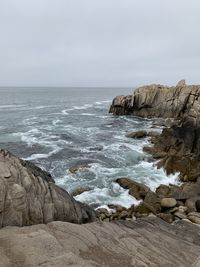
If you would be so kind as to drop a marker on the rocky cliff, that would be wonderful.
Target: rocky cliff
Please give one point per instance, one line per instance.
(160, 101)
(29, 195)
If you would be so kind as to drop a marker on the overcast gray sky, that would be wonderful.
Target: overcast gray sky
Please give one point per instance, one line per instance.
(99, 42)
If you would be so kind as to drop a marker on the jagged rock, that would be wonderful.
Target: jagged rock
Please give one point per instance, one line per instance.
(159, 101)
(137, 190)
(29, 195)
(181, 83)
(168, 202)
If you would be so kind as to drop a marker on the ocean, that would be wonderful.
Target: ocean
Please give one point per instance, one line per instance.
(57, 128)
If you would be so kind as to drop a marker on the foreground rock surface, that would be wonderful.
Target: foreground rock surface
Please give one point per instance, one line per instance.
(28, 195)
(115, 244)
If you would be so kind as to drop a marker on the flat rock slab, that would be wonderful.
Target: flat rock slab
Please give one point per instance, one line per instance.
(146, 242)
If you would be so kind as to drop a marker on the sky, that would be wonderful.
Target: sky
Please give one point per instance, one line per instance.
(99, 42)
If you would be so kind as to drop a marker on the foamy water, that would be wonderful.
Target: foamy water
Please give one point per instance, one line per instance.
(61, 127)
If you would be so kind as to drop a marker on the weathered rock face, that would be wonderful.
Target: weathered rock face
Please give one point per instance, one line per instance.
(159, 101)
(115, 244)
(28, 195)
(179, 148)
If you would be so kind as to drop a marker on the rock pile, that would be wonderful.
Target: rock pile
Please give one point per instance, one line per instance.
(170, 203)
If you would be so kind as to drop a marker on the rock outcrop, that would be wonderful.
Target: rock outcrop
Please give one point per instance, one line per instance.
(146, 242)
(177, 147)
(159, 101)
(29, 195)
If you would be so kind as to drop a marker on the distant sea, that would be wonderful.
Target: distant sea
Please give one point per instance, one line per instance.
(57, 128)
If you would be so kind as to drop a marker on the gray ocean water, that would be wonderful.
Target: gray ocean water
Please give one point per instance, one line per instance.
(57, 128)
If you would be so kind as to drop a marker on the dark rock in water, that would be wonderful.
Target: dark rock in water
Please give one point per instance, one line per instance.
(79, 167)
(137, 190)
(137, 135)
(29, 195)
(80, 190)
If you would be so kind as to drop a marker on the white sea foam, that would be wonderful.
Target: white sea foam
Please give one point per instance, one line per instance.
(87, 114)
(148, 173)
(56, 121)
(45, 155)
(64, 111)
(36, 136)
(104, 196)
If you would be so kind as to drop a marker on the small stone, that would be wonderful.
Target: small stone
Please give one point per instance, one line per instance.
(175, 209)
(124, 214)
(194, 217)
(168, 202)
(182, 209)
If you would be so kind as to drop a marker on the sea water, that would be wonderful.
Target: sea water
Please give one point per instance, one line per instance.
(57, 128)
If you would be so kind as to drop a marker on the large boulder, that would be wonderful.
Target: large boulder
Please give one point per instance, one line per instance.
(137, 190)
(29, 195)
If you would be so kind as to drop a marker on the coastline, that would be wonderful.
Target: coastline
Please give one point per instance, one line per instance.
(41, 222)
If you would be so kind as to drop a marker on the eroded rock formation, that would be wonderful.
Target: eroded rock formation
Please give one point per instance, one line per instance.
(29, 195)
(159, 101)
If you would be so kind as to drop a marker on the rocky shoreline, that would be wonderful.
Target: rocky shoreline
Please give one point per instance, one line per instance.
(177, 149)
(40, 222)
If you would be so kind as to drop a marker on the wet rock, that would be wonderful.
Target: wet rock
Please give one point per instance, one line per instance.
(137, 135)
(80, 190)
(168, 202)
(137, 190)
(79, 167)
